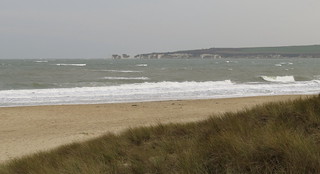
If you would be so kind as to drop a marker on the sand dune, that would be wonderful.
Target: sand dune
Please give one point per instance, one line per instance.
(25, 130)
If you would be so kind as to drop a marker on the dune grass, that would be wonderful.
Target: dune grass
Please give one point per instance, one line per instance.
(272, 138)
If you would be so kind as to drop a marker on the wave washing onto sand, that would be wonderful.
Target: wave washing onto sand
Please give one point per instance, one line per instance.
(281, 79)
(157, 91)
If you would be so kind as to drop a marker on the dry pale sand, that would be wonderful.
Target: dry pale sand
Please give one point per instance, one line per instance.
(25, 130)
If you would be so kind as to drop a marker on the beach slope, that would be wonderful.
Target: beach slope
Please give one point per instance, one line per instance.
(26, 130)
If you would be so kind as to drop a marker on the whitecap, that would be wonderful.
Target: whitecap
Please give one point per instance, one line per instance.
(120, 71)
(126, 78)
(283, 79)
(142, 65)
(286, 63)
(65, 64)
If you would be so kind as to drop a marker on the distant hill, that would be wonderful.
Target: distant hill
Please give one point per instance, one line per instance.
(308, 51)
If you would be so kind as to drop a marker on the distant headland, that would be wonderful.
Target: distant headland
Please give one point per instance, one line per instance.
(306, 51)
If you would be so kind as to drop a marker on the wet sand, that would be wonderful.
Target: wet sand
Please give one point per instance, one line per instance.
(26, 130)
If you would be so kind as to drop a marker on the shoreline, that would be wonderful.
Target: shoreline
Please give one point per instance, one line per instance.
(148, 101)
(28, 129)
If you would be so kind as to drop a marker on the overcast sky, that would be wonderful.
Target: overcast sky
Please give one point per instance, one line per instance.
(99, 28)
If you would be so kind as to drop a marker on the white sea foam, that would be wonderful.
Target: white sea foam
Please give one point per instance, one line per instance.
(316, 81)
(121, 71)
(286, 63)
(65, 64)
(142, 65)
(41, 61)
(126, 78)
(317, 77)
(282, 79)
(153, 92)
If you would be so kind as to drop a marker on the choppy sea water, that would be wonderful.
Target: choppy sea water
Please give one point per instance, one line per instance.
(52, 82)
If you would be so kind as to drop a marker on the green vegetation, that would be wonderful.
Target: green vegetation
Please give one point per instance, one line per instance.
(307, 51)
(310, 49)
(273, 138)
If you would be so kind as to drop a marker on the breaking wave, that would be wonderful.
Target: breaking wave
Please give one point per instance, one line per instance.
(152, 91)
(281, 79)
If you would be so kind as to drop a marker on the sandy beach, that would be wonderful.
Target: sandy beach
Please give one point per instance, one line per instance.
(26, 130)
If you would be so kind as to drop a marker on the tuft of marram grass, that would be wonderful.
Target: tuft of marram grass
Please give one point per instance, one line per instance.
(281, 137)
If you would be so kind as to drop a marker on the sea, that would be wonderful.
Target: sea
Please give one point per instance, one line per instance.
(91, 81)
